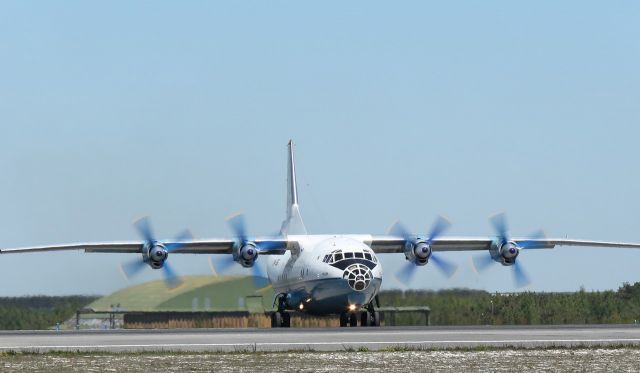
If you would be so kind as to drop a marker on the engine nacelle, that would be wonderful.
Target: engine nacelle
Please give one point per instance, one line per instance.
(156, 255)
(247, 254)
(509, 252)
(418, 252)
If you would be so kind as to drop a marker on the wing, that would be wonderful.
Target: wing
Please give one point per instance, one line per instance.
(551, 243)
(206, 246)
(394, 244)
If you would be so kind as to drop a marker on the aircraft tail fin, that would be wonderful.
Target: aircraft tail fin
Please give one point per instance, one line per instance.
(293, 224)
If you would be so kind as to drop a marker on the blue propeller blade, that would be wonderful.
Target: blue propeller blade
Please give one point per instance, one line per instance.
(258, 275)
(238, 226)
(443, 265)
(499, 222)
(482, 262)
(170, 277)
(180, 241)
(405, 274)
(225, 263)
(439, 226)
(398, 229)
(132, 268)
(143, 225)
(520, 276)
(144, 228)
(533, 241)
(236, 222)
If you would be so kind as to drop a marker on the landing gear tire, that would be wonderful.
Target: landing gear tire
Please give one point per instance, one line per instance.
(370, 317)
(286, 320)
(344, 319)
(276, 320)
(365, 319)
(353, 319)
(376, 318)
(280, 319)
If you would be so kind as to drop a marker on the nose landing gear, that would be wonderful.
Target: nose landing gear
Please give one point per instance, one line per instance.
(368, 317)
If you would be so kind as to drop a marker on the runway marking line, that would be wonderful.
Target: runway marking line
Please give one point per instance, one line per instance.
(341, 343)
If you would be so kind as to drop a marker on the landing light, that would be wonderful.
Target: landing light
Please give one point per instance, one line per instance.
(308, 300)
(352, 307)
(301, 306)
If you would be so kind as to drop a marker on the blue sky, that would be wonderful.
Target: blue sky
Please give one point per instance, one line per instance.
(399, 111)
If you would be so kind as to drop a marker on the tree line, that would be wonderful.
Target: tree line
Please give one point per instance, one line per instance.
(476, 307)
(39, 312)
(448, 307)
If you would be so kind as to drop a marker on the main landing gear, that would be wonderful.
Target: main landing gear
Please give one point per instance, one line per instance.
(348, 319)
(370, 318)
(281, 318)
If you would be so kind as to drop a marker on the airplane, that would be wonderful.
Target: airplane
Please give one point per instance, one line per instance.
(332, 274)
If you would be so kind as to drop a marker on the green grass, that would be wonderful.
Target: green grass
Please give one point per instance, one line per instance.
(222, 292)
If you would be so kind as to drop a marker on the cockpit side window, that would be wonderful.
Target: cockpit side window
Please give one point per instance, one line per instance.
(338, 256)
(359, 255)
(348, 255)
(370, 256)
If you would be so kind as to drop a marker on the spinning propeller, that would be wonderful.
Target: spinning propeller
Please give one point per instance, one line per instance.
(507, 250)
(419, 251)
(246, 251)
(155, 253)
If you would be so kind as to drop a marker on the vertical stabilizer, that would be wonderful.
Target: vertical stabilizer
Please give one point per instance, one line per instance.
(293, 224)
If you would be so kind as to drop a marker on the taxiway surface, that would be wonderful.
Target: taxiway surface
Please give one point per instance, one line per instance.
(319, 339)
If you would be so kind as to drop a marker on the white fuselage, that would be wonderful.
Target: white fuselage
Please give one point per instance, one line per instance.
(326, 274)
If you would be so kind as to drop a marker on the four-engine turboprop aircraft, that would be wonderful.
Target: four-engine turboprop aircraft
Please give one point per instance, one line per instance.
(326, 274)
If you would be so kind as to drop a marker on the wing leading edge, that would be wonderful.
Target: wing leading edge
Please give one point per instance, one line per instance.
(393, 244)
(207, 246)
(379, 244)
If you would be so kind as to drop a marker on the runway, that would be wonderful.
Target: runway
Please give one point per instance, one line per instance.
(200, 340)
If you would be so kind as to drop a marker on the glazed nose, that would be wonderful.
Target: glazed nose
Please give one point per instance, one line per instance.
(358, 276)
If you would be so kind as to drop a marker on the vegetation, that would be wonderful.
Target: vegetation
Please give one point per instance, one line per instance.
(448, 307)
(39, 312)
(475, 307)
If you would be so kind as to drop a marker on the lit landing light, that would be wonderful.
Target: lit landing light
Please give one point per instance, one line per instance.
(301, 306)
(352, 307)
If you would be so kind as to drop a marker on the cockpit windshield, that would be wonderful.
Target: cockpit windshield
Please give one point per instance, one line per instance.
(338, 255)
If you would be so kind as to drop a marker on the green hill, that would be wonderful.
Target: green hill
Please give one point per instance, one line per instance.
(196, 293)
